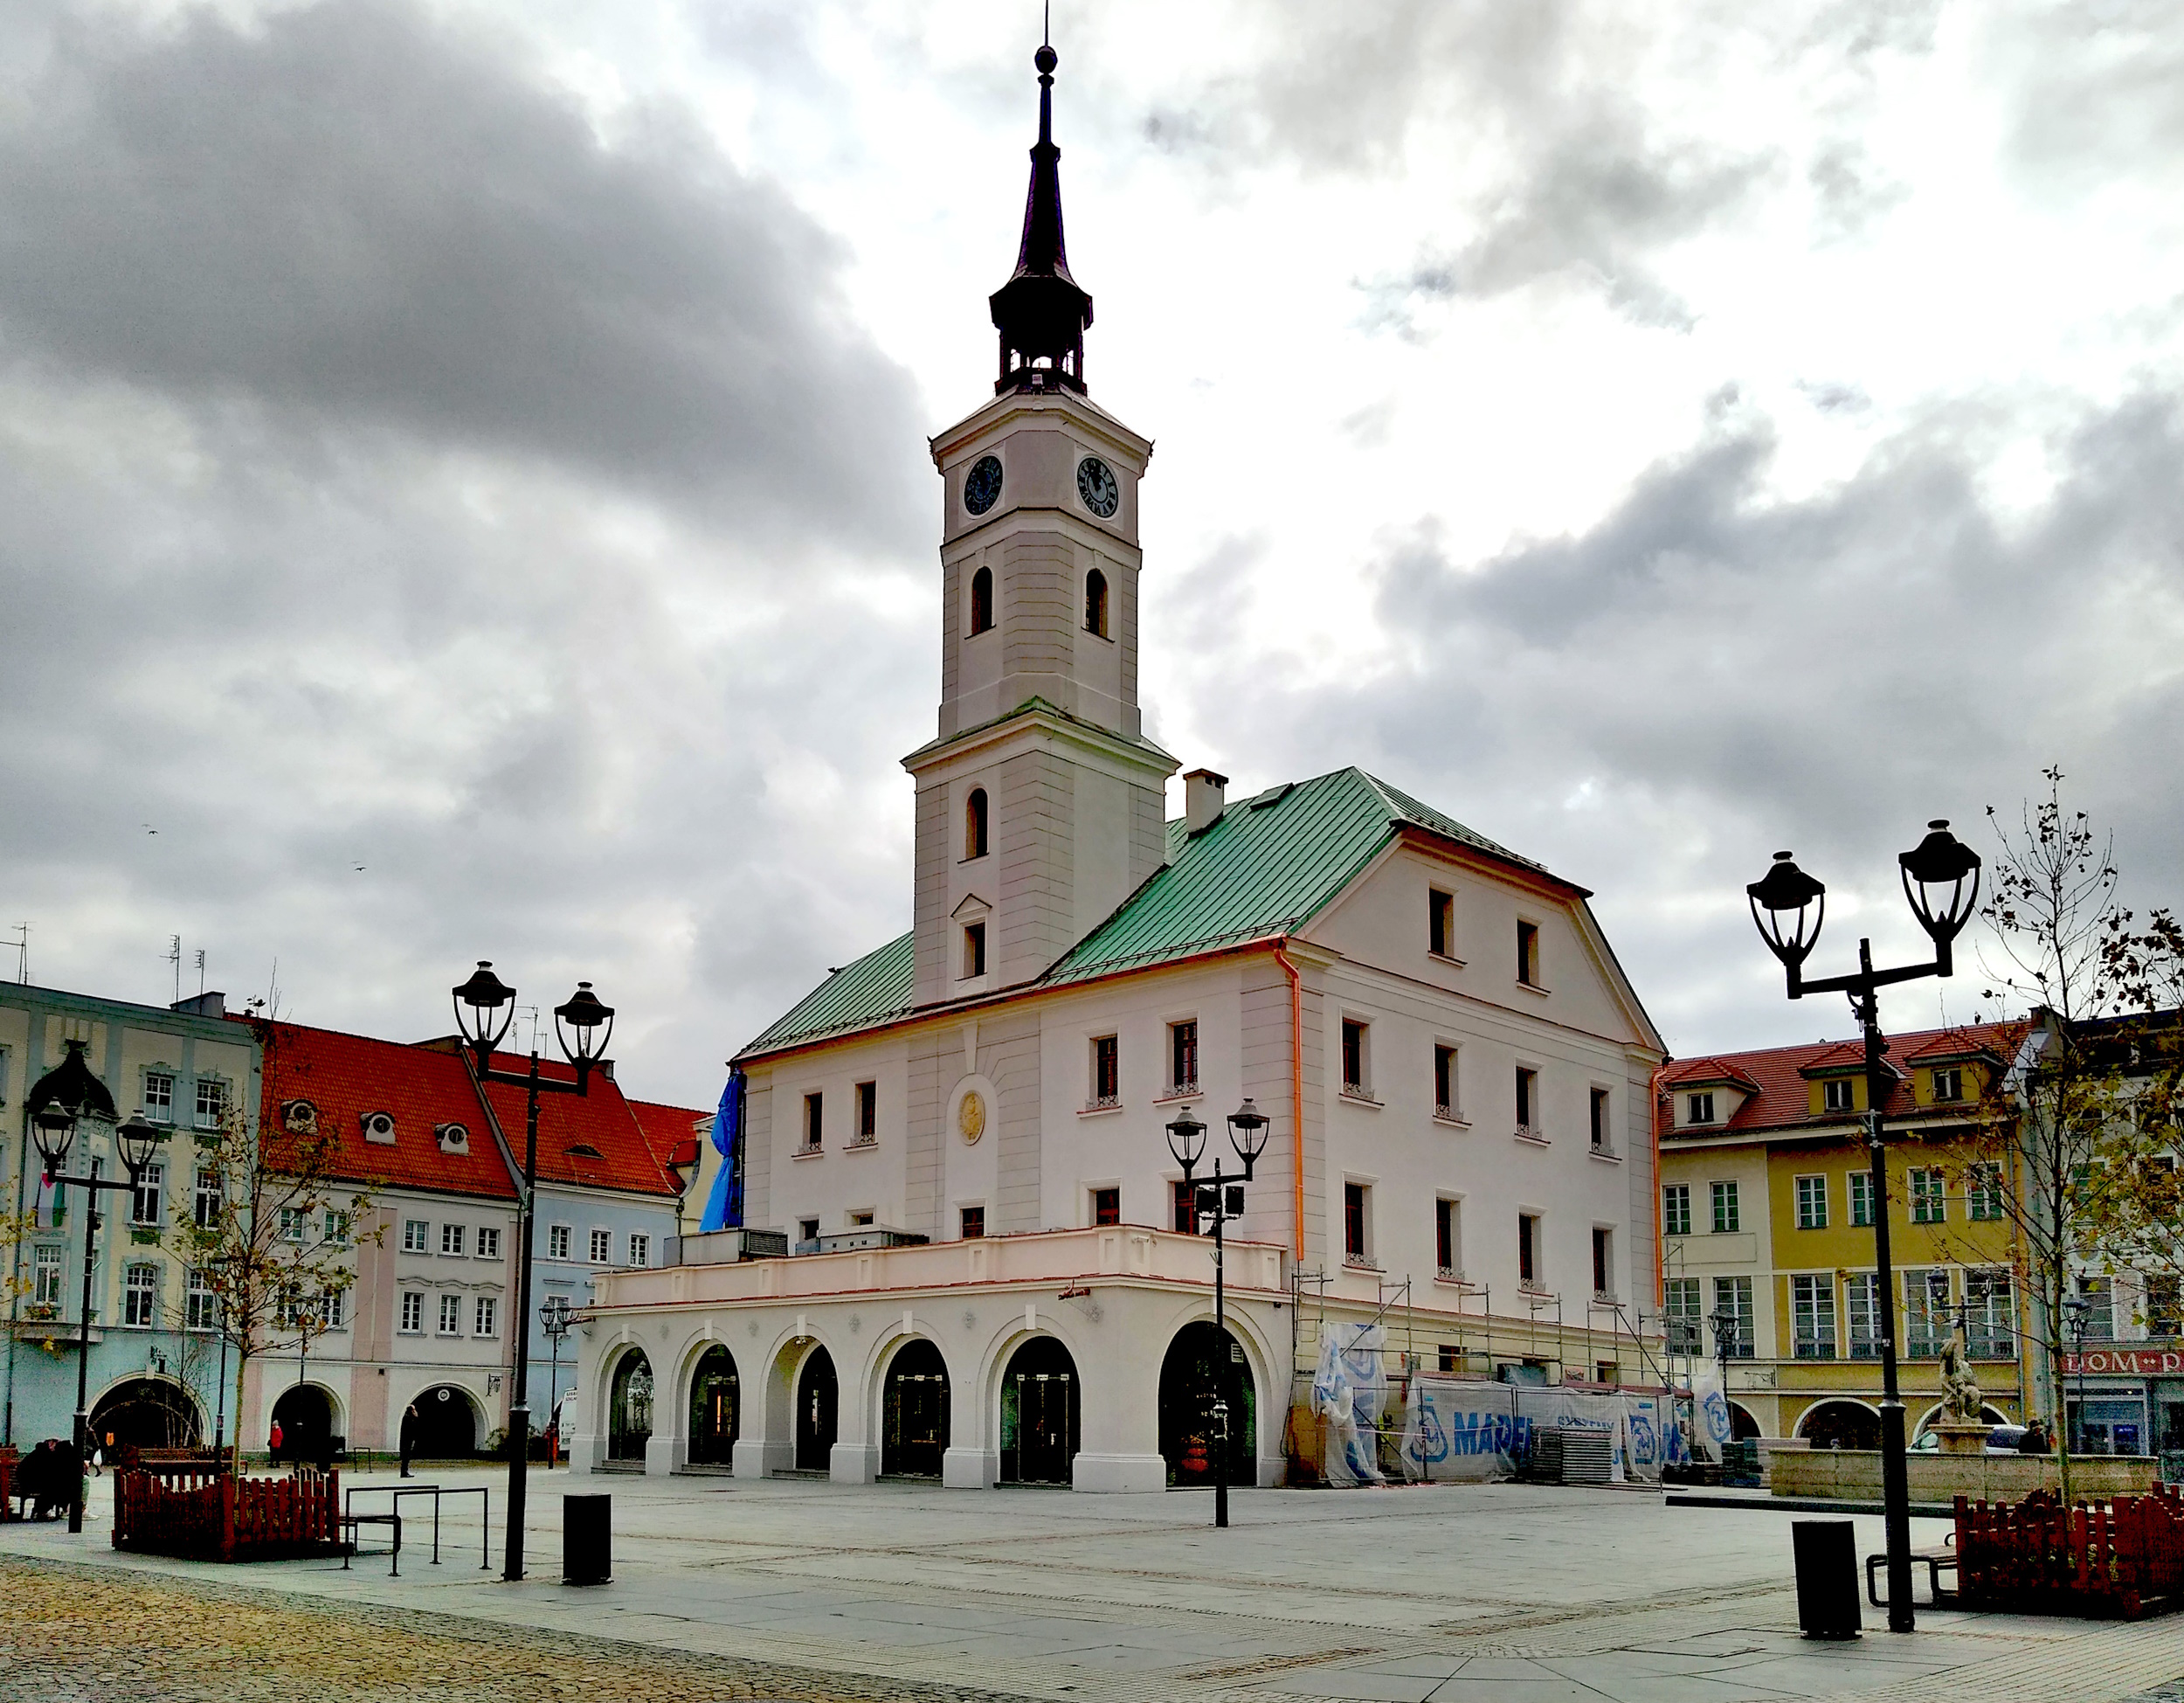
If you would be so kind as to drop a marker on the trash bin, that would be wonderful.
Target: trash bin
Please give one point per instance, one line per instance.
(587, 1540)
(1827, 1554)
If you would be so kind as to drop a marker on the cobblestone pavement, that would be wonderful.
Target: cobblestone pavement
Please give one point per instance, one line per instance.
(77, 1634)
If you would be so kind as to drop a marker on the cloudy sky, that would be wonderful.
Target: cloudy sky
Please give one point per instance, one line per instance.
(463, 489)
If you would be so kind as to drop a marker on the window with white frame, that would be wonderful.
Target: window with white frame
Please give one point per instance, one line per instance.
(1447, 1082)
(1448, 1238)
(209, 1197)
(1839, 1094)
(1532, 1255)
(488, 1242)
(602, 1246)
(1732, 1317)
(640, 1249)
(336, 1227)
(557, 1239)
(1926, 1314)
(1357, 1223)
(1983, 1192)
(201, 1307)
(412, 1312)
(1356, 1059)
(1949, 1083)
(414, 1234)
(1528, 1112)
(1106, 1072)
(1990, 1314)
(1685, 1310)
(486, 1319)
(1183, 1057)
(1699, 1108)
(2099, 1296)
(1603, 1260)
(212, 1102)
(1929, 1196)
(814, 1122)
(1812, 1203)
(333, 1306)
(450, 1315)
(295, 1224)
(1861, 1192)
(1862, 1312)
(867, 1127)
(140, 1296)
(45, 1274)
(1813, 1317)
(1727, 1216)
(452, 1238)
(159, 1096)
(1603, 1126)
(1676, 1208)
(144, 1197)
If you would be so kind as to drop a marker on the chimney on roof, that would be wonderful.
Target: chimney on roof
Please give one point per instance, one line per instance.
(201, 1005)
(1205, 793)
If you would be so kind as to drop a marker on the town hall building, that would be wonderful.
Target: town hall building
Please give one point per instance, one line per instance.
(954, 1241)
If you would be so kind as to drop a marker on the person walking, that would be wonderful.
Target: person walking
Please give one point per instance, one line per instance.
(273, 1440)
(408, 1437)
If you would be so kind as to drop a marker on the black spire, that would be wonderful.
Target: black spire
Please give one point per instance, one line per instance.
(1040, 313)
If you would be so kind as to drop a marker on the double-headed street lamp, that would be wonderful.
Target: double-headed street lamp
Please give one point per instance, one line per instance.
(53, 1127)
(1223, 1197)
(485, 1006)
(1941, 883)
(552, 1319)
(2078, 1319)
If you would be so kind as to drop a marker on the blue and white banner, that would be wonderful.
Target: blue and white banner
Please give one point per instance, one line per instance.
(1350, 1391)
(1455, 1431)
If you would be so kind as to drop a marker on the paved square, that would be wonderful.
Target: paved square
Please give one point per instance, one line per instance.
(796, 1587)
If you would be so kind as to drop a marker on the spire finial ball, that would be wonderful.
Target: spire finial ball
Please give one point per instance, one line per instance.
(1046, 60)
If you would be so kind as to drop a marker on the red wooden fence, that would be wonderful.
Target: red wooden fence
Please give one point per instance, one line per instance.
(8, 1462)
(2124, 1557)
(228, 1519)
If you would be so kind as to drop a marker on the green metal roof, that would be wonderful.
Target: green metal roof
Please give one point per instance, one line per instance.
(1264, 869)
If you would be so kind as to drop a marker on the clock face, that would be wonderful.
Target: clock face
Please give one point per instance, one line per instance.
(982, 489)
(1096, 484)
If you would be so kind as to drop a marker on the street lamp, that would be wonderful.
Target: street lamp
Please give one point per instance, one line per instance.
(485, 1006)
(552, 1319)
(1187, 1140)
(1941, 882)
(53, 1128)
(2079, 1320)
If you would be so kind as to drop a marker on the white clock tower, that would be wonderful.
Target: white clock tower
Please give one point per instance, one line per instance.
(1041, 805)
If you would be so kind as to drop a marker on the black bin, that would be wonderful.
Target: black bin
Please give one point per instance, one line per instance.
(587, 1540)
(1826, 1553)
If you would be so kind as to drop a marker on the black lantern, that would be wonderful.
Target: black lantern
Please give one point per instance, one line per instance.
(139, 1139)
(53, 1127)
(553, 1315)
(1187, 1140)
(1780, 902)
(591, 1024)
(1941, 882)
(1248, 1128)
(479, 1011)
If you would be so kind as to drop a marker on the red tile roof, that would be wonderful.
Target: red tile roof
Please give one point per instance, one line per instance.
(348, 1077)
(1783, 1099)
(672, 1131)
(1699, 1072)
(593, 1140)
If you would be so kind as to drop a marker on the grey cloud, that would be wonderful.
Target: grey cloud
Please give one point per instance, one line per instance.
(366, 219)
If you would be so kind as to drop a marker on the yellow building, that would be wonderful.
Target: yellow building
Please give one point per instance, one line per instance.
(1766, 1209)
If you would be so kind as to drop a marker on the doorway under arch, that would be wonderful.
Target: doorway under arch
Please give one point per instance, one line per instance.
(1742, 1426)
(629, 1410)
(817, 1418)
(447, 1425)
(1205, 1364)
(146, 1413)
(1841, 1425)
(716, 1404)
(914, 1412)
(305, 1417)
(1039, 1396)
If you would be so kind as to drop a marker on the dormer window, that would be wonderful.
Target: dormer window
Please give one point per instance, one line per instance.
(981, 601)
(973, 949)
(1095, 602)
(584, 1150)
(1700, 1108)
(1949, 1083)
(299, 1117)
(453, 1139)
(974, 824)
(1839, 1094)
(378, 1126)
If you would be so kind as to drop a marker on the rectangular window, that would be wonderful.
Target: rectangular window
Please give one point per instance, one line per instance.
(1353, 1058)
(1676, 1208)
(868, 1113)
(1983, 1192)
(860, 1220)
(1839, 1094)
(144, 1198)
(332, 1305)
(1528, 953)
(159, 1096)
(1527, 1102)
(1862, 1305)
(140, 1296)
(1861, 1189)
(557, 1240)
(1926, 1314)
(1444, 1101)
(1107, 1206)
(1106, 1072)
(1699, 1108)
(205, 1207)
(487, 1321)
(1949, 1084)
(973, 1223)
(450, 1315)
(1182, 1058)
(973, 949)
(201, 1307)
(1726, 1219)
(1602, 1124)
(1187, 1212)
(451, 1238)
(212, 1102)
(412, 1312)
(602, 1246)
(1732, 1317)
(1813, 1317)
(2165, 1307)
(1447, 1238)
(1441, 922)
(1450, 1357)
(814, 1122)
(1812, 1203)
(336, 1227)
(488, 1242)
(1990, 1315)
(1530, 1264)
(640, 1250)
(1928, 1198)
(414, 1231)
(46, 1282)
(2099, 1296)
(1603, 1261)
(1685, 1309)
(1355, 1222)
(807, 1231)
(294, 1222)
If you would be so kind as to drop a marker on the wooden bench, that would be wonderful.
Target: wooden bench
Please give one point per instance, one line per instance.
(1935, 1561)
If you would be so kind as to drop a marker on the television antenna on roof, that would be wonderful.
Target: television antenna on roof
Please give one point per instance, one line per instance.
(23, 952)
